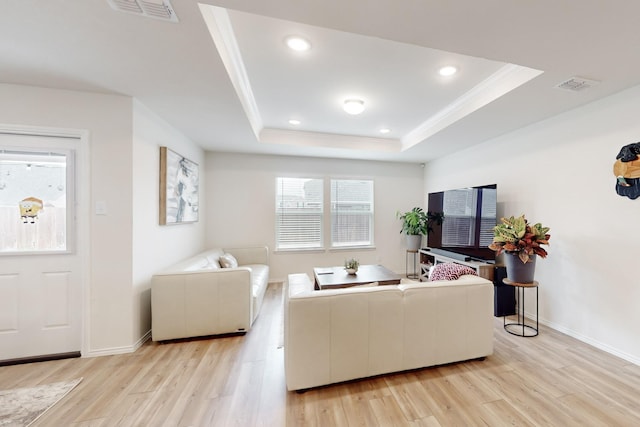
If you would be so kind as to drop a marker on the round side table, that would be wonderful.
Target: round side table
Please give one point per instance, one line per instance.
(514, 327)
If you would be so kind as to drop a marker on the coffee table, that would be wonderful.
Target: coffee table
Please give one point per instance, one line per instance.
(337, 277)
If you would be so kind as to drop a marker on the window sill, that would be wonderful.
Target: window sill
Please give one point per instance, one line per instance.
(32, 253)
(299, 250)
(352, 248)
(324, 250)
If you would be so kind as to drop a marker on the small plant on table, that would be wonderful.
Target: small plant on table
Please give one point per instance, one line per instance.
(351, 265)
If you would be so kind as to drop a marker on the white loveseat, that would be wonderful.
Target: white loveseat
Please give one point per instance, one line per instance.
(338, 335)
(197, 297)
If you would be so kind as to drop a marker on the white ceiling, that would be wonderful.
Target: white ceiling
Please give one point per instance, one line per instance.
(385, 52)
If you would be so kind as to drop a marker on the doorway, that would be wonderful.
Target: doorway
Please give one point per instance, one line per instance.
(42, 243)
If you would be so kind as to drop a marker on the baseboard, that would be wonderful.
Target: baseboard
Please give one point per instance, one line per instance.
(146, 337)
(595, 343)
(109, 351)
(120, 350)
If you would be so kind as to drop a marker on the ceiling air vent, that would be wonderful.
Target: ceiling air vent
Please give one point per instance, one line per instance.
(159, 9)
(576, 84)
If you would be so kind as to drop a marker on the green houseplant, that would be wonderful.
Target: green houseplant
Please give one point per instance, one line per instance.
(521, 242)
(351, 265)
(417, 223)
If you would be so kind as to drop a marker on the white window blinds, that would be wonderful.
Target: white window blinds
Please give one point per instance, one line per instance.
(299, 213)
(351, 212)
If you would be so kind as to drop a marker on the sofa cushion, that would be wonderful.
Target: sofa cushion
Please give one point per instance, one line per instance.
(449, 271)
(213, 254)
(228, 261)
(197, 265)
(259, 277)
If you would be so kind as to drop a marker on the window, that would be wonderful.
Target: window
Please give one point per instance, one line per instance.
(351, 213)
(299, 213)
(35, 202)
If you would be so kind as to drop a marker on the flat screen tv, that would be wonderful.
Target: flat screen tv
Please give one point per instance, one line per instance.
(469, 218)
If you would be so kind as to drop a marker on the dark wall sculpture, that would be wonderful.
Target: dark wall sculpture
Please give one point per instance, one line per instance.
(627, 171)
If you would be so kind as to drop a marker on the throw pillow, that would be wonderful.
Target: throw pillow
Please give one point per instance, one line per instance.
(213, 261)
(228, 261)
(449, 271)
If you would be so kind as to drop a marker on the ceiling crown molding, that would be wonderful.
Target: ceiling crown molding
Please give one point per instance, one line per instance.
(504, 80)
(328, 140)
(507, 78)
(219, 25)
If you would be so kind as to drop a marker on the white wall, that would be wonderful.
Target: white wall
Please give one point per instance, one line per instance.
(559, 172)
(241, 206)
(156, 247)
(108, 118)
(126, 245)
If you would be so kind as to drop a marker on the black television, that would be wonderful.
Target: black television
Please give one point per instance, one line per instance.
(469, 217)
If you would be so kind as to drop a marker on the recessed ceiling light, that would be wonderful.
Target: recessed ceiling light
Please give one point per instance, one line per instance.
(353, 106)
(449, 70)
(294, 122)
(298, 43)
(385, 130)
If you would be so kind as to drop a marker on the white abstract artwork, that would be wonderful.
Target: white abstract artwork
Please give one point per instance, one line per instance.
(178, 188)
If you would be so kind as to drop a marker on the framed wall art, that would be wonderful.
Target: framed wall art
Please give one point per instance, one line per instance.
(179, 180)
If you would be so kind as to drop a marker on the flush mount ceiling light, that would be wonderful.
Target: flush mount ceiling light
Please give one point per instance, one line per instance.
(297, 43)
(385, 130)
(353, 106)
(294, 122)
(447, 71)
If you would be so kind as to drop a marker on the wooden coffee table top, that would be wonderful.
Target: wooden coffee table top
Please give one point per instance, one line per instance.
(337, 277)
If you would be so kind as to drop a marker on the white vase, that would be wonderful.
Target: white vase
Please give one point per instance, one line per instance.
(414, 241)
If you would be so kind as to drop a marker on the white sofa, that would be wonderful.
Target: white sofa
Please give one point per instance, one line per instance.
(197, 297)
(338, 335)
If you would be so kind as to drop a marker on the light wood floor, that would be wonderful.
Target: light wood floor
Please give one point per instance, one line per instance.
(550, 380)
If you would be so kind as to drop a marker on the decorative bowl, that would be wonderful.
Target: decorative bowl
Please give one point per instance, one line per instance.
(351, 270)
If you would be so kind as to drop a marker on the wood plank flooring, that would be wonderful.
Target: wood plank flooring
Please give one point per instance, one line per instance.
(549, 380)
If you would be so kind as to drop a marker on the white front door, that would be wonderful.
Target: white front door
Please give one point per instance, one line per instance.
(40, 255)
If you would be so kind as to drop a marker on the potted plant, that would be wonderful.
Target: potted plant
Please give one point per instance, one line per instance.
(351, 265)
(417, 223)
(520, 241)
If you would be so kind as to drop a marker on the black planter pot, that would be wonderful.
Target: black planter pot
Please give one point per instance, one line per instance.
(517, 271)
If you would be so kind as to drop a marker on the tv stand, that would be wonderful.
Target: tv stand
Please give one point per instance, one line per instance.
(504, 302)
(448, 254)
(483, 269)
